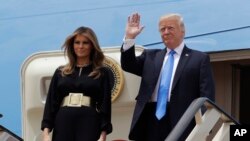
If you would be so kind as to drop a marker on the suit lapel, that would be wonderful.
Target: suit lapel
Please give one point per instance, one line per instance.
(158, 63)
(186, 54)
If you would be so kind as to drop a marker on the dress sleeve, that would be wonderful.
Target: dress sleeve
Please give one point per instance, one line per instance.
(52, 105)
(105, 107)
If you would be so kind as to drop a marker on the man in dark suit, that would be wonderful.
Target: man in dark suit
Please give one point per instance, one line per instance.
(191, 78)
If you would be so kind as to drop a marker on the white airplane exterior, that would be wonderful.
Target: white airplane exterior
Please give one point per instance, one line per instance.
(32, 29)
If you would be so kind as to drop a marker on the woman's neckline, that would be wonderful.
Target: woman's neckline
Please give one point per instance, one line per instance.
(83, 65)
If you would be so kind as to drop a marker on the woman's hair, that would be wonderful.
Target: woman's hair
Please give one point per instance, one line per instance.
(96, 55)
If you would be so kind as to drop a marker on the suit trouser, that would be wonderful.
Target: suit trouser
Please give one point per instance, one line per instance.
(149, 128)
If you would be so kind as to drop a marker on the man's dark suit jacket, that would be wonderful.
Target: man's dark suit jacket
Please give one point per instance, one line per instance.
(193, 78)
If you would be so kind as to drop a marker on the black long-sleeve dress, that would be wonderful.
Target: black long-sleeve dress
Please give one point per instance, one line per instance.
(78, 123)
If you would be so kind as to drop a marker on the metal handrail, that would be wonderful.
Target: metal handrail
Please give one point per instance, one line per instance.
(10, 133)
(189, 115)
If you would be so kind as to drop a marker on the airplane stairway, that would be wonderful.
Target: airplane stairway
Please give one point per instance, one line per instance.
(212, 125)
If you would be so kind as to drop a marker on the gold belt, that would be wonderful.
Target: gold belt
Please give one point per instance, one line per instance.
(76, 100)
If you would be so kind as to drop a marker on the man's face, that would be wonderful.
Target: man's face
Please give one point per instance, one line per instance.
(172, 33)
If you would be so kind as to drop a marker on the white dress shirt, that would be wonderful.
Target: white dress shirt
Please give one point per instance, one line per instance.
(128, 43)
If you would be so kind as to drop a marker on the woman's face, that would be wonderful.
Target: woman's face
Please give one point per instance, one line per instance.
(82, 47)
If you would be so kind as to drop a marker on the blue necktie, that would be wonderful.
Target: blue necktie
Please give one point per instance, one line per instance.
(163, 90)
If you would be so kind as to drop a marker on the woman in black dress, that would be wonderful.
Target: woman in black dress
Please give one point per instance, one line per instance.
(78, 105)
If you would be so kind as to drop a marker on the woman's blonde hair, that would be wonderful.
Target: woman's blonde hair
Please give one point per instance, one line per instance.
(96, 55)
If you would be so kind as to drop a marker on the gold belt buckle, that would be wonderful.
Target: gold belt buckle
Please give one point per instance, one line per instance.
(75, 99)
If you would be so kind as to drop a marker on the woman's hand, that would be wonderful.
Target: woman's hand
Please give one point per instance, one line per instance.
(45, 133)
(103, 136)
(133, 27)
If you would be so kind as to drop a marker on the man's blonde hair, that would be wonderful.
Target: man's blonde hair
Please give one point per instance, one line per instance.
(174, 16)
